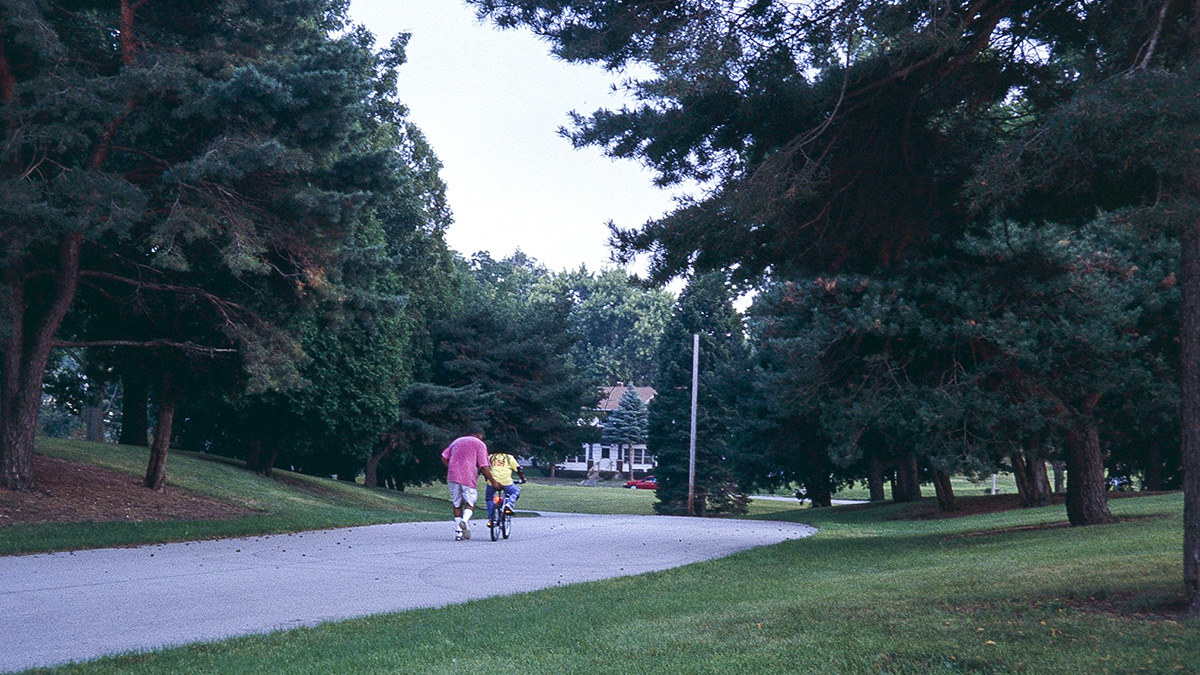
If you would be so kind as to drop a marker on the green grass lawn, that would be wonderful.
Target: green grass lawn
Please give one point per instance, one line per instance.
(549, 495)
(288, 503)
(556, 495)
(870, 593)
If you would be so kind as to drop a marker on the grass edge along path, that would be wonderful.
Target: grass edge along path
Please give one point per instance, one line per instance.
(288, 502)
(998, 593)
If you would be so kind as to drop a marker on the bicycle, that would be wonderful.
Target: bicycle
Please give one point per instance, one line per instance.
(501, 522)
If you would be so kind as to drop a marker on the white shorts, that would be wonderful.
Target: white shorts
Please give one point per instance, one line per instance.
(462, 495)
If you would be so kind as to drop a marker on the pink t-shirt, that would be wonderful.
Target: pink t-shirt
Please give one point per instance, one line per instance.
(466, 455)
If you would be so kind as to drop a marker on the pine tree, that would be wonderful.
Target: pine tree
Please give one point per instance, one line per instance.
(628, 424)
(1009, 349)
(513, 342)
(705, 307)
(202, 175)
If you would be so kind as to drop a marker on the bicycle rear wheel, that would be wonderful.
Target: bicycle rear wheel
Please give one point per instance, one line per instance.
(494, 526)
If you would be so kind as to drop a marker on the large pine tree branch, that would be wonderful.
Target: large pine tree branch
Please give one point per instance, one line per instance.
(66, 283)
(1152, 43)
(190, 347)
(129, 47)
(225, 307)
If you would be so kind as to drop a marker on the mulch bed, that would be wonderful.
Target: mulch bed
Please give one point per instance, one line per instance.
(72, 492)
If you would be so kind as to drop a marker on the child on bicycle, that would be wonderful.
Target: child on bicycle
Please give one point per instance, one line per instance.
(503, 465)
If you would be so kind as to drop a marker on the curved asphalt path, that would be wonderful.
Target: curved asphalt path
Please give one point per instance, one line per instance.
(61, 607)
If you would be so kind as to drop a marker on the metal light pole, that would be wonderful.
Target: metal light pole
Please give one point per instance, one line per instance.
(692, 442)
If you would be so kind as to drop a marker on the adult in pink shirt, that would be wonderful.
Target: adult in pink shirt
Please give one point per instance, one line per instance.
(464, 458)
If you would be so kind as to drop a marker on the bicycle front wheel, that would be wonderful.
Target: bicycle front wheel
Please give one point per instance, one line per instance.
(505, 524)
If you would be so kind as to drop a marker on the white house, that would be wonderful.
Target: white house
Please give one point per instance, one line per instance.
(606, 458)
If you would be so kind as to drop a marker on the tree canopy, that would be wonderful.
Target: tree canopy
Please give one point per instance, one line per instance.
(618, 323)
(826, 133)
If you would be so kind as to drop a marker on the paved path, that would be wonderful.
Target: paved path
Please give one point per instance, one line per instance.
(62, 607)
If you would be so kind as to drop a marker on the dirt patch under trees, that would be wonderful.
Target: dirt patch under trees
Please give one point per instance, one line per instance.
(73, 492)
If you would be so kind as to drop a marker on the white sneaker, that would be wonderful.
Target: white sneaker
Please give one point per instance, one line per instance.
(466, 530)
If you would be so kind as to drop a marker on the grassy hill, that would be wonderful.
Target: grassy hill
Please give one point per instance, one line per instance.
(287, 502)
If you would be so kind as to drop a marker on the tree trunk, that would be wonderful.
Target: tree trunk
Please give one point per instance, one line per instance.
(93, 417)
(135, 396)
(1060, 473)
(1152, 479)
(819, 493)
(156, 471)
(908, 479)
(1033, 484)
(371, 471)
(1021, 476)
(875, 477)
(1040, 482)
(1087, 503)
(31, 325)
(1189, 319)
(260, 461)
(945, 491)
(255, 457)
(17, 428)
(272, 457)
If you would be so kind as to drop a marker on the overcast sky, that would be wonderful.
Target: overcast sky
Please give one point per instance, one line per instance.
(491, 103)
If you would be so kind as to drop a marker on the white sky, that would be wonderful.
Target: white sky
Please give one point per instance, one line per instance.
(491, 103)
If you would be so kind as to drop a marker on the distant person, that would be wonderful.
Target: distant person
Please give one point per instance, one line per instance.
(503, 465)
(464, 459)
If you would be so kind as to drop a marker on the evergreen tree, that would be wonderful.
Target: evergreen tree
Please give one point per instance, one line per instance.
(409, 453)
(513, 342)
(627, 425)
(194, 167)
(366, 338)
(705, 307)
(827, 134)
(1115, 129)
(1007, 350)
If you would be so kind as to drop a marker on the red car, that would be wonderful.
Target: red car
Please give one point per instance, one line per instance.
(646, 483)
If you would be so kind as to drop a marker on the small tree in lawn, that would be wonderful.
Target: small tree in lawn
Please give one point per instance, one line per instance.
(628, 424)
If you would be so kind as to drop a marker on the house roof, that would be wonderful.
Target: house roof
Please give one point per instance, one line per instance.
(611, 396)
